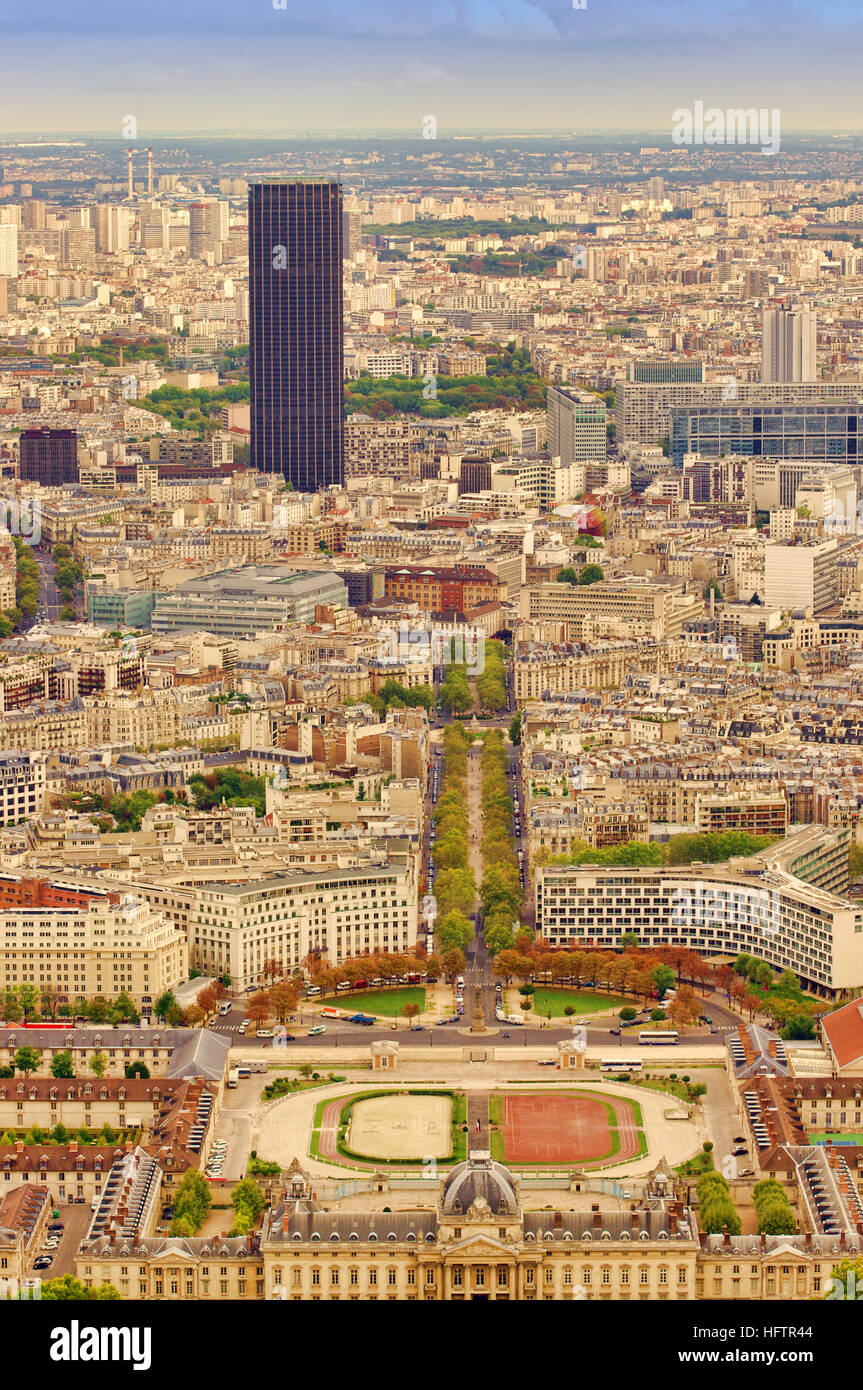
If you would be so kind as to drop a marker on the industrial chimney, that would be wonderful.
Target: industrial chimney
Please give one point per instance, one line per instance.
(131, 186)
(150, 173)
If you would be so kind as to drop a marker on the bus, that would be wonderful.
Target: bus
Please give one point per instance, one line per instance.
(615, 1064)
(225, 1007)
(658, 1036)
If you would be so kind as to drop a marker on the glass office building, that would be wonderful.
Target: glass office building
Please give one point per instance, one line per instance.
(820, 432)
(296, 331)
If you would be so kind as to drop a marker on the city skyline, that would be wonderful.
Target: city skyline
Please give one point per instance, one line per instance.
(609, 65)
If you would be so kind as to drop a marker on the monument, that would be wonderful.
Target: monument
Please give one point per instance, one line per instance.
(477, 1023)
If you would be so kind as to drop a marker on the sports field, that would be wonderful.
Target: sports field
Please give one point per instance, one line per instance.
(401, 1127)
(583, 1128)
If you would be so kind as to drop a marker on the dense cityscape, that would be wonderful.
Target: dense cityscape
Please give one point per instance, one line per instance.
(431, 709)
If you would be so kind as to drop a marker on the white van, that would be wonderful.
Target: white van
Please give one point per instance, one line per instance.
(312, 990)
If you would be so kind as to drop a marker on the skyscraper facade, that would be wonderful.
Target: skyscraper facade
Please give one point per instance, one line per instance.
(788, 341)
(49, 457)
(296, 331)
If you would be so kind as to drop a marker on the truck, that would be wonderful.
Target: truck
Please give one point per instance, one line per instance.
(224, 1007)
(366, 1019)
(233, 1078)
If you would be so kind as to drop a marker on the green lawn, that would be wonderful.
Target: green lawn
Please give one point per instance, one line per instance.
(843, 1138)
(381, 1001)
(554, 1001)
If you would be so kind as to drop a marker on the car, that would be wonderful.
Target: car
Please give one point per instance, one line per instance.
(56, 1226)
(626, 1194)
(43, 1262)
(442, 1022)
(615, 1032)
(713, 1028)
(746, 1173)
(739, 1139)
(740, 1152)
(319, 1028)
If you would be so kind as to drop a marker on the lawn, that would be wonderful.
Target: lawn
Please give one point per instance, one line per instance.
(843, 1138)
(554, 1001)
(382, 1001)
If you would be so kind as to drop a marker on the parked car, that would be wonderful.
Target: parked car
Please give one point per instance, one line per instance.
(740, 1152)
(615, 1032)
(43, 1262)
(56, 1226)
(739, 1139)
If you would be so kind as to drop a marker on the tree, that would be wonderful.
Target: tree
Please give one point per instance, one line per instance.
(453, 963)
(62, 1066)
(283, 1001)
(515, 728)
(68, 1288)
(663, 978)
(26, 1060)
(411, 1011)
(137, 1069)
(192, 1201)
(248, 1202)
(591, 574)
(98, 1063)
(164, 1004)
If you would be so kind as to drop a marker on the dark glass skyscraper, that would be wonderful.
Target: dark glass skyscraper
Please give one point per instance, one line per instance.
(296, 331)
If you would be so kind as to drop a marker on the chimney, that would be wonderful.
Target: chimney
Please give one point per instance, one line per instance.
(842, 1239)
(726, 1238)
(135, 1237)
(672, 1220)
(558, 1221)
(597, 1219)
(807, 1240)
(633, 1218)
(73, 1146)
(131, 185)
(763, 1240)
(19, 1146)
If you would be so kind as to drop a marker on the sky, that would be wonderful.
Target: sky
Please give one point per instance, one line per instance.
(281, 65)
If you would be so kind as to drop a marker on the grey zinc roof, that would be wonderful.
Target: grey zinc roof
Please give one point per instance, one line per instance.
(201, 1053)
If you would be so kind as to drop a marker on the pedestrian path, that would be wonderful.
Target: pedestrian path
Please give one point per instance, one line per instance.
(477, 1120)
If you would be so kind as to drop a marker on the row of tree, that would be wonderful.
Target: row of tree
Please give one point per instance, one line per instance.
(455, 886)
(491, 681)
(500, 889)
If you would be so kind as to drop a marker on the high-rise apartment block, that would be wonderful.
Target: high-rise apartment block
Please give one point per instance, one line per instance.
(296, 331)
(8, 251)
(788, 343)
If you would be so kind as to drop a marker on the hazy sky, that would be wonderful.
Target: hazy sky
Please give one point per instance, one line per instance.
(226, 65)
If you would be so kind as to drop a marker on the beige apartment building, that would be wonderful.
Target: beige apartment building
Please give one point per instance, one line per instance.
(337, 912)
(643, 609)
(101, 950)
(595, 666)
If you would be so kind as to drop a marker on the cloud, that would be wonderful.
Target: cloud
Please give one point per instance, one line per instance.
(426, 75)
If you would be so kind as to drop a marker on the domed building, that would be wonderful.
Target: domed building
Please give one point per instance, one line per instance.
(480, 1183)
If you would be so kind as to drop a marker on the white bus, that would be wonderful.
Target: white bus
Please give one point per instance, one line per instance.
(658, 1036)
(615, 1064)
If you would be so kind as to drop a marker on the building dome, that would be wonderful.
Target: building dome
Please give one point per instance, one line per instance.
(479, 1177)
